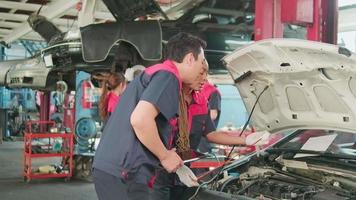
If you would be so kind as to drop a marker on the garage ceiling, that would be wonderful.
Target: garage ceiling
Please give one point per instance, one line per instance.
(63, 13)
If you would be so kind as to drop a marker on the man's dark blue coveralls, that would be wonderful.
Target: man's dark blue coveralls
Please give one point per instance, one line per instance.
(123, 168)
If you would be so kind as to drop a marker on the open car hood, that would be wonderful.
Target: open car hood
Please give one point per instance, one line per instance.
(309, 84)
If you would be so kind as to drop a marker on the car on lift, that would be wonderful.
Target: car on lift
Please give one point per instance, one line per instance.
(305, 92)
(225, 25)
(119, 46)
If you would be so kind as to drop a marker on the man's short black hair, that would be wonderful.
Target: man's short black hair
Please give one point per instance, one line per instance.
(181, 44)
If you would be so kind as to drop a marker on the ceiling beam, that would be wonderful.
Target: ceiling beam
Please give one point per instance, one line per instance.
(30, 36)
(20, 6)
(9, 24)
(12, 10)
(23, 18)
(86, 14)
(27, 38)
(4, 31)
(15, 17)
(97, 14)
(34, 7)
(55, 9)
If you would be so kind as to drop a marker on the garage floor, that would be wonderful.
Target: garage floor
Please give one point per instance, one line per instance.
(12, 186)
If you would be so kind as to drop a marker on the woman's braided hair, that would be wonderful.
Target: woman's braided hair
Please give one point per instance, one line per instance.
(183, 143)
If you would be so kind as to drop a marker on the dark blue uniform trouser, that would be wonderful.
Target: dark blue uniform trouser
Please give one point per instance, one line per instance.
(176, 192)
(165, 188)
(109, 187)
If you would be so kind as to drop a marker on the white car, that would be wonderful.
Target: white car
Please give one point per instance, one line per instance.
(306, 92)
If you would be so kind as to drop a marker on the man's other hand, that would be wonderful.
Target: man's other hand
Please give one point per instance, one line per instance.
(171, 161)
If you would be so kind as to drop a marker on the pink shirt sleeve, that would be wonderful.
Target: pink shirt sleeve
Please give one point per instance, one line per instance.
(113, 100)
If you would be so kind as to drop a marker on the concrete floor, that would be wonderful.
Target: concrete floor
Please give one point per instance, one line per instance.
(12, 186)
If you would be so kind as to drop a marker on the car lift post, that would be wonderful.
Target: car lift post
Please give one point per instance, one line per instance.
(270, 15)
(324, 28)
(268, 22)
(44, 108)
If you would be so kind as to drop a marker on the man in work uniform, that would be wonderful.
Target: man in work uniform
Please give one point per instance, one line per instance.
(138, 137)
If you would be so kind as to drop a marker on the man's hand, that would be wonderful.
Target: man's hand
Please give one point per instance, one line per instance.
(171, 161)
(187, 177)
(144, 124)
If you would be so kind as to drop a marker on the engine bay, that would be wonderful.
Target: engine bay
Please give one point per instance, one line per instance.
(271, 177)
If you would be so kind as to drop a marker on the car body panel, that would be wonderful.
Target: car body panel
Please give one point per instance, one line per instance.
(31, 73)
(144, 36)
(117, 45)
(307, 84)
(130, 10)
(5, 66)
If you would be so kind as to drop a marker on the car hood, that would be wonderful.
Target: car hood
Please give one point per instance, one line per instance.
(307, 84)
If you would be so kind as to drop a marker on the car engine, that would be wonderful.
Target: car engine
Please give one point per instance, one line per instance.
(277, 181)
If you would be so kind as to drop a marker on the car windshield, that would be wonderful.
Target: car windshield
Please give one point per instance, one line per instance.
(323, 141)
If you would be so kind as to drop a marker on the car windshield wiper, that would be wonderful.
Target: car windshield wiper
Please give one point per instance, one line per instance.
(312, 153)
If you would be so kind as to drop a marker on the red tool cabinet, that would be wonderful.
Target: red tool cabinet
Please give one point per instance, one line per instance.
(36, 130)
